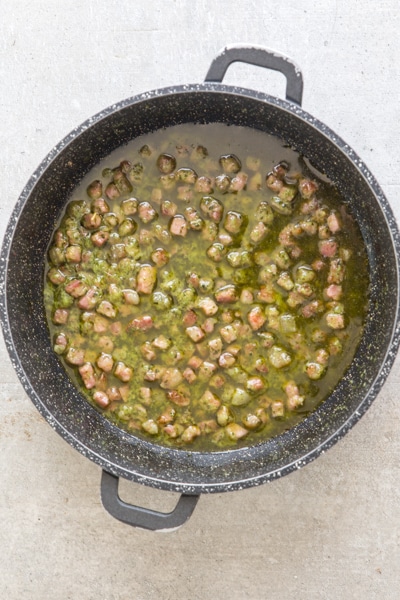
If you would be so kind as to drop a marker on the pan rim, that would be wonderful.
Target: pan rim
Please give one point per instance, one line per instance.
(181, 486)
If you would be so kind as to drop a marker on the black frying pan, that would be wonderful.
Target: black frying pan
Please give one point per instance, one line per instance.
(22, 274)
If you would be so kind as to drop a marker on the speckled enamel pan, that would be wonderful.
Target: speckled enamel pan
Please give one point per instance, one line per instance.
(22, 275)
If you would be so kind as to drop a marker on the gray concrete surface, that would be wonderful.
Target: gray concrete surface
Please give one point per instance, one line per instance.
(328, 531)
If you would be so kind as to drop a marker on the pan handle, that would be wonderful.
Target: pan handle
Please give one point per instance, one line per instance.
(260, 57)
(143, 517)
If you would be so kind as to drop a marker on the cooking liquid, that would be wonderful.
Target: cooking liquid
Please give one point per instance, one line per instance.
(190, 256)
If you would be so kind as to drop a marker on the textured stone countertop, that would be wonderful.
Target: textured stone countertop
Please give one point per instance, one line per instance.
(328, 531)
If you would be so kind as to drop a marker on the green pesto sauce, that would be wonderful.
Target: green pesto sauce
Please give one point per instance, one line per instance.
(188, 254)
